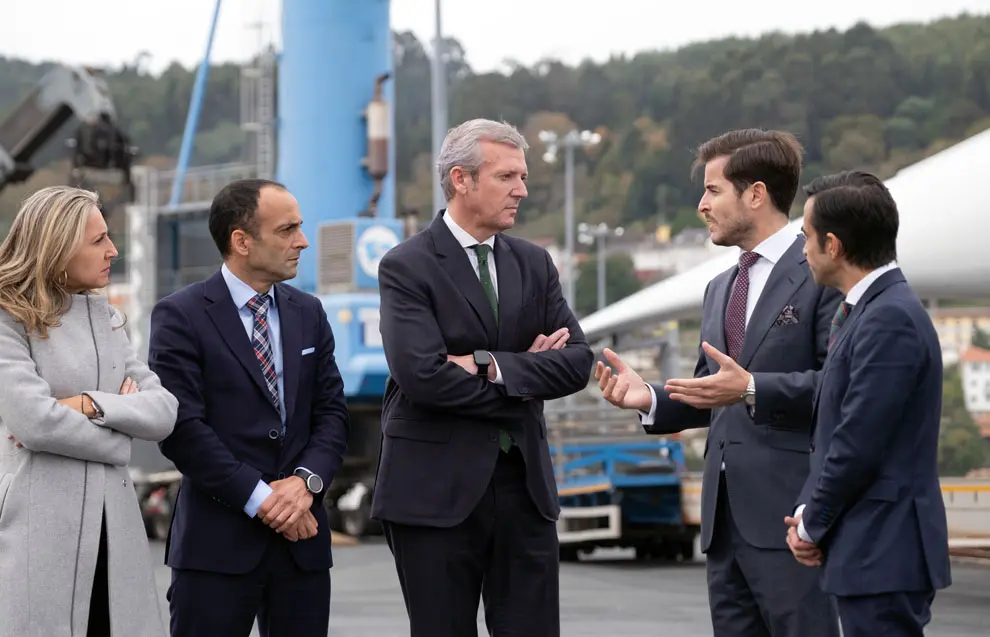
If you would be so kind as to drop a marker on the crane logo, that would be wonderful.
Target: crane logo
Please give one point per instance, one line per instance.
(372, 245)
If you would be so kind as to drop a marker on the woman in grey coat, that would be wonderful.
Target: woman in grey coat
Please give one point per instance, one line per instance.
(74, 555)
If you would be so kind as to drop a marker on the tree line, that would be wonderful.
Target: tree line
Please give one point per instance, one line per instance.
(879, 99)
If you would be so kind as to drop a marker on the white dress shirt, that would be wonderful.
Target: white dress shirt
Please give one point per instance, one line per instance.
(856, 293)
(771, 250)
(467, 242)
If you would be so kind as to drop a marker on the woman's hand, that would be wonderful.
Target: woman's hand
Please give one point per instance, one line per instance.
(128, 387)
(81, 403)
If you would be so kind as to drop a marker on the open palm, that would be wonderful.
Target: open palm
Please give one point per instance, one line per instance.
(623, 387)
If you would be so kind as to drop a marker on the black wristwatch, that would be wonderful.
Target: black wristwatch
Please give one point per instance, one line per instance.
(482, 359)
(313, 482)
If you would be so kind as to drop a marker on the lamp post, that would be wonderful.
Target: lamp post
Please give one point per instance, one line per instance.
(591, 234)
(570, 141)
(438, 83)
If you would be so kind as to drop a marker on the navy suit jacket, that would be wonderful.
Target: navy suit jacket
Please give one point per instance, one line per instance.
(440, 424)
(226, 436)
(873, 500)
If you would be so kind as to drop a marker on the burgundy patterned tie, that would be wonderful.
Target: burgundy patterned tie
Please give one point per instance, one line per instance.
(735, 312)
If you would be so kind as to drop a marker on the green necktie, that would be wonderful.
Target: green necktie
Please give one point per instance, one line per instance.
(483, 250)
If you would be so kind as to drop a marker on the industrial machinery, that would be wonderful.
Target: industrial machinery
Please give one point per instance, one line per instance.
(619, 488)
(62, 93)
(334, 155)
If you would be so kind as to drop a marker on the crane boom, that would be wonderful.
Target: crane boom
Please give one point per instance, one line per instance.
(62, 93)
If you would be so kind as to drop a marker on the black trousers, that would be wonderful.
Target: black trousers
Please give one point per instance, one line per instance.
(99, 603)
(287, 601)
(756, 592)
(504, 554)
(890, 615)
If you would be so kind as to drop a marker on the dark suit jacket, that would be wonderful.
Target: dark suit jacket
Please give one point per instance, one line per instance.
(439, 423)
(873, 498)
(222, 442)
(766, 456)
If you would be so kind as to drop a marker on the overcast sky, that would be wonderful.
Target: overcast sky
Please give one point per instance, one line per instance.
(109, 32)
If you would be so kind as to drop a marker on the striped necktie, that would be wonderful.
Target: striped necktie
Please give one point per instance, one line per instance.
(261, 342)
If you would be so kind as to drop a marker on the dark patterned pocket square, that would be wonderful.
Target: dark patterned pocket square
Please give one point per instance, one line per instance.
(788, 316)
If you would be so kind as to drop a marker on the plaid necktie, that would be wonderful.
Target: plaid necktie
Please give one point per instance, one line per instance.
(262, 344)
(483, 250)
(735, 311)
(840, 316)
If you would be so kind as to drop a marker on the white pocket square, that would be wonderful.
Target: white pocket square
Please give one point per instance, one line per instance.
(308, 350)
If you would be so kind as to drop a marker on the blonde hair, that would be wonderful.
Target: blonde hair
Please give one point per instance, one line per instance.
(46, 233)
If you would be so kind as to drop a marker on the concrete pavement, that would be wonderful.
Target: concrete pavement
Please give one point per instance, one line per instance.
(610, 595)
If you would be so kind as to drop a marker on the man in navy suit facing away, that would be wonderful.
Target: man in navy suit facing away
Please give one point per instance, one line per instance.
(261, 432)
(871, 513)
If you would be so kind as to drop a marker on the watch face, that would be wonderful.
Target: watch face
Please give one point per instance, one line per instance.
(482, 358)
(314, 483)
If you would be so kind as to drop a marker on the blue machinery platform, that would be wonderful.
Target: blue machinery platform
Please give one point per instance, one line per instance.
(627, 494)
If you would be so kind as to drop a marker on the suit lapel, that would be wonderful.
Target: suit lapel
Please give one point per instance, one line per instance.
(784, 280)
(720, 298)
(878, 286)
(225, 318)
(290, 326)
(456, 264)
(509, 292)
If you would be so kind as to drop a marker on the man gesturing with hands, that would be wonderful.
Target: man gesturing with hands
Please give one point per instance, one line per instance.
(764, 333)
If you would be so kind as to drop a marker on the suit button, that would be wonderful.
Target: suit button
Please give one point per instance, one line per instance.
(812, 447)
(721, 444)
(524, 390)
(125, 482)
(493, 437)
(281, 476)
(273, 434)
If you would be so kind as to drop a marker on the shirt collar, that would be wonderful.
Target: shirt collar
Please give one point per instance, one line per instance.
(240, 291)
(462, 236)
(776, 245)
(857, 291)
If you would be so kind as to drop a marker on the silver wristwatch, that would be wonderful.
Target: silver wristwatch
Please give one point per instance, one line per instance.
(749, 396)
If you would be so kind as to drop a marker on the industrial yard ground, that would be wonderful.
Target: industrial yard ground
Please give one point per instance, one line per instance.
(610, 594)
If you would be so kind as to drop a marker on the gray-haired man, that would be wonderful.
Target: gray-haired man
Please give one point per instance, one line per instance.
(477, 335)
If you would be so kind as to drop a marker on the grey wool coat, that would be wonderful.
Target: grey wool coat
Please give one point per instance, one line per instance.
(71, 472)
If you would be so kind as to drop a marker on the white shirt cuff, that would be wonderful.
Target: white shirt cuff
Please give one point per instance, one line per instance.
(261, 491)
(498, 373)
(803, 534)
(646, 419)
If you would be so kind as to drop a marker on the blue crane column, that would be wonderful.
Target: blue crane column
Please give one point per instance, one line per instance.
(336, 55)
(333, 52)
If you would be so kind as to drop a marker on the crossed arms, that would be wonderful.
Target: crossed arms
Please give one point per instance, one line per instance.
(431, 376)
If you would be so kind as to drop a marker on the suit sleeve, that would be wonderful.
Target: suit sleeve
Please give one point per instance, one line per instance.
(147, 415)
(416, 352)
(555, 373)
(886, 359)
(670, 416)
(792, 394)
(37, 420)
(194, 447)
(330, 426)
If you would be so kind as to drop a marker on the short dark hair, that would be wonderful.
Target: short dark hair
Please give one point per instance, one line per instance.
(857, 208)
(773, 157)
(234, 208)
